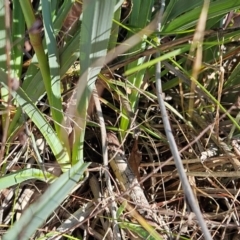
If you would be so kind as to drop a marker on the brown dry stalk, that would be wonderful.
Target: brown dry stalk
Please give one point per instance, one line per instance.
(197, 46)
(128, 182)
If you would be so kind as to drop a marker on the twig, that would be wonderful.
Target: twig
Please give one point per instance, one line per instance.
(173, 147)
(129, 183)
(113, 205)
(99, 200)
(231, 174)
(35, 150)
(197, 47)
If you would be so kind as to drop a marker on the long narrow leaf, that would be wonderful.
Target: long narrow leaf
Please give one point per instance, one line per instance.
(42, 124)
(53, 58)
(189, 19)
(95, 29)
(39, 211)
(18, 27)
(141, 14)
(12, 179)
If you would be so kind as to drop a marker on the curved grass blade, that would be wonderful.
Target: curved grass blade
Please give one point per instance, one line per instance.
(42, 124)
(34, 86)
(39, 211)
(12, 179)
(176, 8)
(189, 19)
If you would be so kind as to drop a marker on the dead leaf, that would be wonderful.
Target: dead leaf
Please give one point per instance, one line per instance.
(135, 159)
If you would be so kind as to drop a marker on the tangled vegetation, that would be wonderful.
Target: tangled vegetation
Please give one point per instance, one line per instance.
(120, 119)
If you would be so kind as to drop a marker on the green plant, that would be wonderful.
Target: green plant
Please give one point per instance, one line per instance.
(96, 38)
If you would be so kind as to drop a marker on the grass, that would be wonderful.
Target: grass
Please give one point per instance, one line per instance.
(106, 117)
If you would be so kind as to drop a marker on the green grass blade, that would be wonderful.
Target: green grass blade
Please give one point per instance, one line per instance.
(161, 58)
(140, 231)
(12, 179)
(176, 8)
(34, 86)
(18, 31)
(35, 38)
(189, 19)
(115, 29)
(39, 211)
(3, 36)
(42, 124)
(53, 58)
(52, 85)
(3, 56)
(62, 13)
(95, 29)
(141, 15)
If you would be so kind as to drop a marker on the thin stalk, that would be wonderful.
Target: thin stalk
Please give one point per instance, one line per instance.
(116, 230)
(173, 147)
